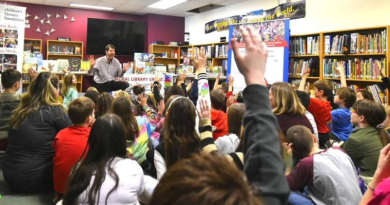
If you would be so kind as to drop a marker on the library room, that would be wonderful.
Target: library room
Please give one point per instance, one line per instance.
(161, 102)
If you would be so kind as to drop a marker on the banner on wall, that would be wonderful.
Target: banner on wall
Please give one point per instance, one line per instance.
(276, 35)
(145, 80)
(294, 10)
(12, 20)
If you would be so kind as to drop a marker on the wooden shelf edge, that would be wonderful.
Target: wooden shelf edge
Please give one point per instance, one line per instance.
(356, 80)
(302, 56)
(357, 54)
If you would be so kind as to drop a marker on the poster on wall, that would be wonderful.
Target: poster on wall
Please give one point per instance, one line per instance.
(276, 35)
(12, 20)
(294, 10)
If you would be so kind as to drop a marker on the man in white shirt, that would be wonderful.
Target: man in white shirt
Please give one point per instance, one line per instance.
(105, 71)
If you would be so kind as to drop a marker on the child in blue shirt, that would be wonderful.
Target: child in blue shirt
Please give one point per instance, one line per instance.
(341, 117)
(69, 89)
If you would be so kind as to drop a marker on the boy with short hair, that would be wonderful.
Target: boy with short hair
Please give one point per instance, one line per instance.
(320, 106)
(341, 117)
(218, 117)
(9, 101)
(71, 142)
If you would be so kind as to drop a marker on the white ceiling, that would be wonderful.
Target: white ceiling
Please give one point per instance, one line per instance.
(136, 6)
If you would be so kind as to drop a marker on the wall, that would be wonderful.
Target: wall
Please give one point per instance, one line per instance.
(77, 30)
(321, 15)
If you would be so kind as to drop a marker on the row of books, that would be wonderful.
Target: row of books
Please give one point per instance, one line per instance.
(377, 91)
(357, 68)
(221, 51)
(305, 46)
(356, 43)
(298, 67)
(64, 50)
(59, 65)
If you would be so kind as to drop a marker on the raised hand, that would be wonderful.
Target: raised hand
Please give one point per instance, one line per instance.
(204, 110)
(92, 60)
(200, 61)
(32, 73)
(252, 62)
(383, 168)
(142, 99)
(307, 72)
(126, 67)
(341, 66)
(231, 80)
(181, 78)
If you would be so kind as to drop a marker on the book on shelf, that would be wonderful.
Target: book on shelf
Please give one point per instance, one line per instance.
(49, 66)
(298, 67)
(85, 65)
(159, 69)
(360, 43)
(377, 91)
(74, 64)
(62, 64)
(30, 63)
(304, 45)
(140, 67)
(221, 51)
(77, 50)
(186, 61)
(171, 68)
(357, 68)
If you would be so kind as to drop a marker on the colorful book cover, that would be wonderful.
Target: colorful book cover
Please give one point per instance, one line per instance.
(62, 65)
(49, 66)
(85, 66)
(74, 64)
(30, 63)
(39, 57)
(171, 68)
(140, 67)
(160, 69)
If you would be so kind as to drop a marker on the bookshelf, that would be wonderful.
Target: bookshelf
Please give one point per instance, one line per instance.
(165, 54)
(365, 47)
(64, 49)
(32, 45)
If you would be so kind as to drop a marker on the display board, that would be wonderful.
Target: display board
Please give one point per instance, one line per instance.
(276, 35)
(12, 25)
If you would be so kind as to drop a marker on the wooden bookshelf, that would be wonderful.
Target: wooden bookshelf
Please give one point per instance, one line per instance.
(64, 49)
(363, 54)
(32, 45)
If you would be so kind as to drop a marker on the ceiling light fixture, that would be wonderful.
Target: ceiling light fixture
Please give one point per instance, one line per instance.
(164, 4)
(92, 7)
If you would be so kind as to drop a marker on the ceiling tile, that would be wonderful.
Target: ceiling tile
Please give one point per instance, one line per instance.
(188, 6)
(230, 2)
(108, 4)
(127, 9)
(142, 2)
(147, 10)
(211, 1)
(169, 12)
(64, 3)
(33, 1)
(116, 1)
(85, 2)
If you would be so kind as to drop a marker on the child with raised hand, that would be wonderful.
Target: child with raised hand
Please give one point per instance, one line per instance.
(263, 162)
(69, 88)
(71, 142)
(379, 188)
(365, 143)
(320, 106)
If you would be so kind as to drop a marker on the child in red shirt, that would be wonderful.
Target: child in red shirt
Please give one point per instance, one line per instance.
(218, 117)
(320, 106)
(71, 142)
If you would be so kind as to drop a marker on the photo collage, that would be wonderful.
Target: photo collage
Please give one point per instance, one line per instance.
(8, 39)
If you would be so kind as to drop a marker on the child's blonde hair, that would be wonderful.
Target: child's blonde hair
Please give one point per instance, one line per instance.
(67, 83)
(125, 94)
(388, 116)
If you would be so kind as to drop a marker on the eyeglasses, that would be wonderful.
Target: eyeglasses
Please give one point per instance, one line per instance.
(354, 111)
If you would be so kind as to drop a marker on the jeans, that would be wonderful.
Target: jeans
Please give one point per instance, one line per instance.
(297, 198)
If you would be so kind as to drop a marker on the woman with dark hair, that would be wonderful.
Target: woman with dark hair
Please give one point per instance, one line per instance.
(28, 161)
(365, 143)
(229, 143)
(105, 175)
(364, 95)
(103, 104)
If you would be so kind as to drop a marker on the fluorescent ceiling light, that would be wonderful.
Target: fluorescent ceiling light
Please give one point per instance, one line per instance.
(164, 4)
(92, 7)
